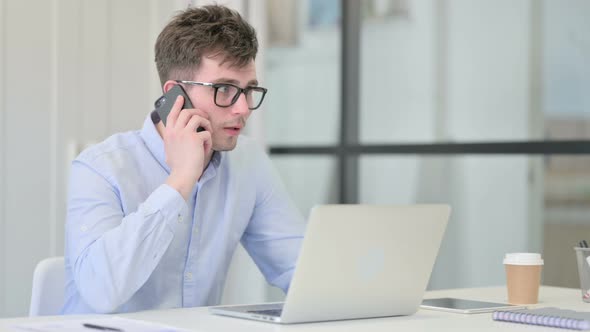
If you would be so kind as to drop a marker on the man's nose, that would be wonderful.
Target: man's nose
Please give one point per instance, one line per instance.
(241, 105)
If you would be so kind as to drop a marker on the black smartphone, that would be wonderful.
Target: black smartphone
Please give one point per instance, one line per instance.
(164, 104)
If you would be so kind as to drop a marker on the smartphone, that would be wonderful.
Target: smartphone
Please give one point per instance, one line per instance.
(164, 104)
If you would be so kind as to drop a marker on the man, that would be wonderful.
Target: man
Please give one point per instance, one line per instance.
(154, 216)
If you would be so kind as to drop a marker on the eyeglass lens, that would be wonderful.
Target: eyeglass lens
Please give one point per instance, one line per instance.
(228, 94)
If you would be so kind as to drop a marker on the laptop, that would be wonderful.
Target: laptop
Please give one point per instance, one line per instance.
(357, 261)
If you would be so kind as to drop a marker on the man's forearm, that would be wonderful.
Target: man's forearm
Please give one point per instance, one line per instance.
(110, 269)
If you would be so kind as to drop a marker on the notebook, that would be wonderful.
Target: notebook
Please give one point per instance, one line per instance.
(551, 317)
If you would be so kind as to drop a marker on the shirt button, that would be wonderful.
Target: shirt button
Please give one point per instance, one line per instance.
(83, 228)
(180, 218)
(188, 276)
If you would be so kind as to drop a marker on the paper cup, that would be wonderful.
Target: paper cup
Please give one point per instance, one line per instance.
(523, 277)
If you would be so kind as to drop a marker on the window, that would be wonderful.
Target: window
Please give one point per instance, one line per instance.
(422, 102)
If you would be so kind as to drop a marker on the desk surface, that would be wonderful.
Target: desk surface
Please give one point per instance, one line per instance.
(199, 319)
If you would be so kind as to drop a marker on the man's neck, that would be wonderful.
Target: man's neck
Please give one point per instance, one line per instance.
(207, 160)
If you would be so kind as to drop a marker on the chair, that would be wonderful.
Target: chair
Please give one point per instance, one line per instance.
(47, 296)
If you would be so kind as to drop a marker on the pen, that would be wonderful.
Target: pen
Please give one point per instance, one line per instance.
(100, 327)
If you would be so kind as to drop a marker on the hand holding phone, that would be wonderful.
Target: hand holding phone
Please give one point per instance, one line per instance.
(186, 150)
(164, 104)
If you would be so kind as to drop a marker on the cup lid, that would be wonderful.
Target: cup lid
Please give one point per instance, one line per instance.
(523, 258)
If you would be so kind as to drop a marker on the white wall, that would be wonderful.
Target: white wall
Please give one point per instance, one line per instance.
(2, 157)
(72, 72)
(26, 145)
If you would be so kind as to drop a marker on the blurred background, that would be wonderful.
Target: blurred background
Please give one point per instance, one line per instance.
(477, 103)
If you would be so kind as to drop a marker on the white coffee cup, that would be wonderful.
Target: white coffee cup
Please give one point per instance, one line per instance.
(523, 277)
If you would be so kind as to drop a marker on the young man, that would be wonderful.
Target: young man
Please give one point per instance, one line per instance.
(154, 216)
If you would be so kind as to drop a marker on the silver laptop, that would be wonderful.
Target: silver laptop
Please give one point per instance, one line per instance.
(358, 261)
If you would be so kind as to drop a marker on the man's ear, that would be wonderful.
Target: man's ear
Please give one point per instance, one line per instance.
(168, 85)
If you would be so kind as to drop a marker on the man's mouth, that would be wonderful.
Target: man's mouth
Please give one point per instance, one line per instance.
(233, 130)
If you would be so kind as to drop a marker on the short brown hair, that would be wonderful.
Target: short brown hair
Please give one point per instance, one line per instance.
(207, 30)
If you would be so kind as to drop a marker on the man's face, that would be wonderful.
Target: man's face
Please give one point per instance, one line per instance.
(226, 122)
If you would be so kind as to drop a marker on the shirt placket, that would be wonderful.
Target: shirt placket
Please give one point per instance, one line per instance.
(190, 286)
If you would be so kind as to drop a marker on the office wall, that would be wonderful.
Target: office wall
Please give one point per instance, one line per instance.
(26, 143)
(2, 148)
(72, 72)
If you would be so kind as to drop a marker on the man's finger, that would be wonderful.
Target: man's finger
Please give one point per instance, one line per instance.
(186, 115)
(176, 108)
(197, 121)
(207, 141)
(183, 119)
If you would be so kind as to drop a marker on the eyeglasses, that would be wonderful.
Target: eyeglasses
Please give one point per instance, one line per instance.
(226, 94)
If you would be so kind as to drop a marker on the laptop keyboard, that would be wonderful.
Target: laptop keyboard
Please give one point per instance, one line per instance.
(269, 312)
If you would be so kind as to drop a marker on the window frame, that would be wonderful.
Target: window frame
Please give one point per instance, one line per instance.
(349, 150)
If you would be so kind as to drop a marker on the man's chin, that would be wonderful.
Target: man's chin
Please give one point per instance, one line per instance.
(226, 146)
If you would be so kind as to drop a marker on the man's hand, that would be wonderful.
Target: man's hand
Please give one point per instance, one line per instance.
(186, 150)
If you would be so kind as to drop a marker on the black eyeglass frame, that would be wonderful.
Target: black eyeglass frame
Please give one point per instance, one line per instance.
(235, 98)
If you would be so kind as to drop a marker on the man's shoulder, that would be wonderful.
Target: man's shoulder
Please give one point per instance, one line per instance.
(114, 146)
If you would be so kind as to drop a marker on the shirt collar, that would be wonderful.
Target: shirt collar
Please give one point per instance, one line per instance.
(155, 144)
(211, 169)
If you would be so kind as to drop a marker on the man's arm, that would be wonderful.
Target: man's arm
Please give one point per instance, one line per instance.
(112, 255)
(274, 235)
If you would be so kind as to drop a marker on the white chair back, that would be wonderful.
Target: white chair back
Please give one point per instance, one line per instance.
(47, 296)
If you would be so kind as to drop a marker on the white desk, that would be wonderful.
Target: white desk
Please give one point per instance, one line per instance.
(199, 319)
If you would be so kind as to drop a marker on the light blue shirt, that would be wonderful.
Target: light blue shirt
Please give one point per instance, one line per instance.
(133, 243)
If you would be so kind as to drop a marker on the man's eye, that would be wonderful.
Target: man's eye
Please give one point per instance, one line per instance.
(223, 89)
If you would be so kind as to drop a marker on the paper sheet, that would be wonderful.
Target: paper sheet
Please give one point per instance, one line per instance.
(110, 324)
